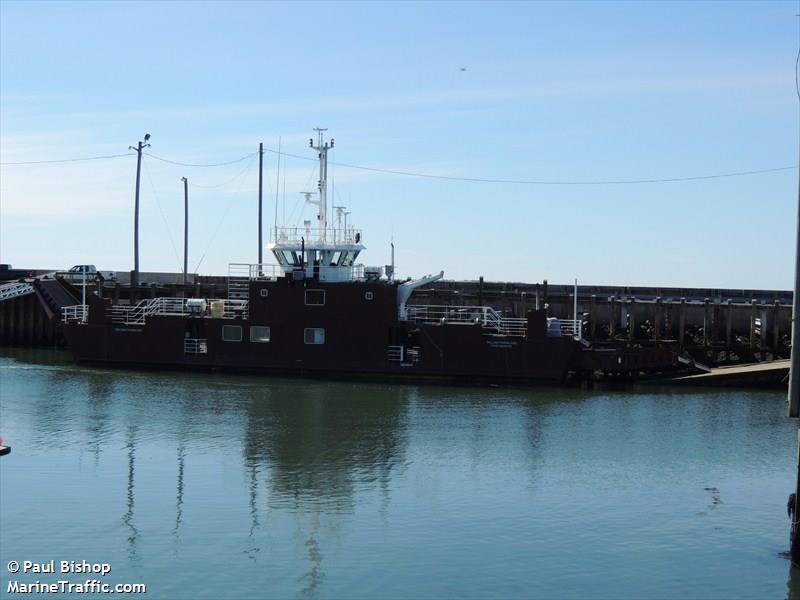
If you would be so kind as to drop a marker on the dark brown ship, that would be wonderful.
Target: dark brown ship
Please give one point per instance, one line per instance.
(317, 312)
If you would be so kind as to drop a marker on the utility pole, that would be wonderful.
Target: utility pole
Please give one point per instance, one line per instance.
(138, 148)
(794, 362)
(185, 228)
(794, 365)
(260, 190)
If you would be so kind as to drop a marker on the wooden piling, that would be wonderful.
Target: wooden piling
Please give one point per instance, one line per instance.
(632, 319)
(658, 319)
(728, 330)
(776, 336)
(682, 324)
(612, 320)
(545, 299)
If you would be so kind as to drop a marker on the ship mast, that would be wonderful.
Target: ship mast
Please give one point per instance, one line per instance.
(322, 148)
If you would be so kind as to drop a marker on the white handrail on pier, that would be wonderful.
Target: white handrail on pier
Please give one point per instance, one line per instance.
(15, 289)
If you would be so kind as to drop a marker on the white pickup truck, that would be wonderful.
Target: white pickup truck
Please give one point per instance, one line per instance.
(75, 274)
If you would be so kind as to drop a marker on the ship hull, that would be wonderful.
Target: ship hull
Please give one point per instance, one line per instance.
(451, 354)
(359, 338)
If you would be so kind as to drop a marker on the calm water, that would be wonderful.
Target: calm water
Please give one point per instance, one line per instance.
(211, 486)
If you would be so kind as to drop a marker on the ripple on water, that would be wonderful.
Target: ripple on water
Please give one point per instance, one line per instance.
(288, 487)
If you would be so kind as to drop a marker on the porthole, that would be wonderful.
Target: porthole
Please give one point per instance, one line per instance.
(368, 295)
(264, 292)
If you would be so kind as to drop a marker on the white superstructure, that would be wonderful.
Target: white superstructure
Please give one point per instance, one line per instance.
(317, 250)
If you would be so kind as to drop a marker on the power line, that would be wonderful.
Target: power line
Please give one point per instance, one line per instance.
(183, 164)
(66, 160)
(569, 182)
(227, 181)
(544, 181)
(430, 175)
(163, 216)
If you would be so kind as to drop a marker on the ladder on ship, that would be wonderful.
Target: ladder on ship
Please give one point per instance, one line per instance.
(238, 282)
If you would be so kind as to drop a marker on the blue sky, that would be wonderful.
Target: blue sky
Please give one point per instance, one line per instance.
(551, 91)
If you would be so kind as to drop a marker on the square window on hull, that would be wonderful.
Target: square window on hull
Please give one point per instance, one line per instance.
(315, 297)
(259, 333)
(314, 335)
(231, 333)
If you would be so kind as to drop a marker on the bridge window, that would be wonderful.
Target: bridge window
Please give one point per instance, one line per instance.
(259, 333)
(314, 335)
(315, 297)
(231, 333)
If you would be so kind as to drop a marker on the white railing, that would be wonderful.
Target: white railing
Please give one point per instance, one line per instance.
(413, 354)
(348, 273)
(395, 353)
(254, 271)
(402, 354)
(137, 314)
(571, 328)
(240, 275)
(312, 235)
(72, 314)
(195, 346)
(12, 290)
(488, 317)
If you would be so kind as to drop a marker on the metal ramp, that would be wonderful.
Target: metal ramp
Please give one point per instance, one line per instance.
(14, 290)
(53, 296)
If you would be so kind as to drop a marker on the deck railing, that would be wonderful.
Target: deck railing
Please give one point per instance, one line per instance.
(571, 328)
(312, 235)
(240, 274)
(138, 313)
(195, 346)
(489, 318)
(404, 355)
(73, 314)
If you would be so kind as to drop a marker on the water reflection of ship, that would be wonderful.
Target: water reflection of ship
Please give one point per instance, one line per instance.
(320, 442)
(308, 448)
